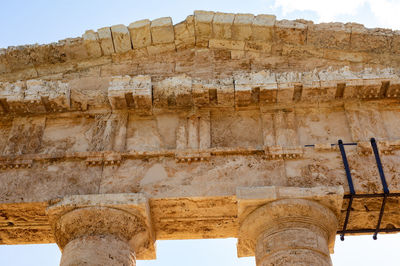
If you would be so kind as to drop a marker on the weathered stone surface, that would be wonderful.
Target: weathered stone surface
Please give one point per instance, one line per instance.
(126, 92)
(263, 28)
(203, 27)
(184, 33)
(162, 31)
(119, 221)
(186, 114)
(370, 40)
(92, 43)
(140, 33)
(241, 28)
(106, 41)
(291, 32)
(275, 222)
(121, 38)
(329, 35)
(222, 25)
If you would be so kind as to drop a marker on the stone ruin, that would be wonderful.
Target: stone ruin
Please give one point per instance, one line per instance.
(279, 133)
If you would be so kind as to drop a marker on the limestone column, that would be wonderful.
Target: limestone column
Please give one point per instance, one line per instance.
(292, 227)
(109, 229)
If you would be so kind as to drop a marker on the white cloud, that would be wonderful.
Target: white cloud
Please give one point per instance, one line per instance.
(386, 12)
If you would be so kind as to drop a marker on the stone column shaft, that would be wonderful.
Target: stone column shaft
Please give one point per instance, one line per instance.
(98, 250)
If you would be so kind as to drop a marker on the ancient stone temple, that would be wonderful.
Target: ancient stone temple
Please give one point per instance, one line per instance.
(279, 133)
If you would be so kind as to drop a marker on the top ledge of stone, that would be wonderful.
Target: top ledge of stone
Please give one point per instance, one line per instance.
(161, 22)
(139, 24)
(96, 44)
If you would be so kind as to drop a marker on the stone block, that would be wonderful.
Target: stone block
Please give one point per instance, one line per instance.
(119, 87)
(142, 92)
(47, 96)
(226, 44)
(258, 46)
(200, 93)
(18, 57)
(184, 33)
(243, 95)
(121, 38)
(242, 27)
(126, 92)
(290, 32)
(332, 85)
(329, 35)
(394, 88)
(72, 49)
(92, 43)
(263, 28)
(370, 40)
(225, 91)
(3, 61)
(237, 54)
(203, 27)
(106, 41)
(222, 25)
(287, 83)
(11, 97)
(311, 87)
(140, 33)
(261, 85)
(173, 92)
(162, 31)
(161, 48)
(213, 92)
(396, 42)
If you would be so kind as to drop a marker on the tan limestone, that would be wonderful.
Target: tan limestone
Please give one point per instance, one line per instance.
(288, 226)
(215, 119)
(106, 42)
(92, 42)
(121, 38)
(86, 225)
(140, 33)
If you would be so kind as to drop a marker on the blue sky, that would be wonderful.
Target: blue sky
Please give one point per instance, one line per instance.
(40, 21)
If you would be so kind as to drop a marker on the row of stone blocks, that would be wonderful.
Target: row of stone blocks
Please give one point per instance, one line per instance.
(242, 90)
(203, 29)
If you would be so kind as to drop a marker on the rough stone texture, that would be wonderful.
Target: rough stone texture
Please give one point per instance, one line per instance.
(122, 219)
(162, 31)
(203, 27)
(187, 113)
(97, 250)
(299, 234)
(329, 35)
(140, 33)
(288, 225)
(184, 34)
(106, 41)
(92, 42)
(121, 38)
(241, 28)
(263, 28)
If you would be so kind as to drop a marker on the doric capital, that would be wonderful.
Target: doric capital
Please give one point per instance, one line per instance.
(124, 216)
(268, 210)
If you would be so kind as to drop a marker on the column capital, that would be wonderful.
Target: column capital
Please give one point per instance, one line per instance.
(263, 209)
(124, 216)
